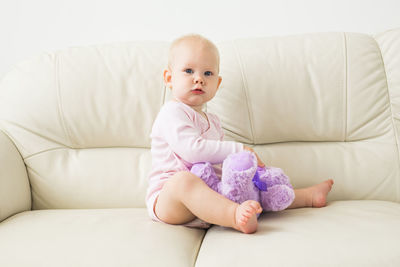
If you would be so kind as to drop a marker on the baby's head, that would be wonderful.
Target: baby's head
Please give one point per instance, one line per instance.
(193, 70)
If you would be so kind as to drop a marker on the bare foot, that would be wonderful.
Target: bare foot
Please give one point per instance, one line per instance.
(319, 193)
(246, 216)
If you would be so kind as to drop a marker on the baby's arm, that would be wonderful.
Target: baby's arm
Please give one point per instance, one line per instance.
(218, 122)
(185, 139)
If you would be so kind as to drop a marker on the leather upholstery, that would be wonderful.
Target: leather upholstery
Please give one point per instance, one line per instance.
(319, 106)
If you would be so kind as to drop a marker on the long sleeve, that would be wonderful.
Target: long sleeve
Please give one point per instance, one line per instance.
(185, 139)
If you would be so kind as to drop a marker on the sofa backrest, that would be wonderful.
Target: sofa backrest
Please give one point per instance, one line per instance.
(317, 105)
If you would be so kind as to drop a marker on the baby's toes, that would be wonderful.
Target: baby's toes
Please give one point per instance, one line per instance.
(249, 210)
(247, 214)
(256, 207)
(244, 219)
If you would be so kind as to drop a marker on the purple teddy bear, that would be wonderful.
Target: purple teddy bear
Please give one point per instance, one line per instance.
(242, 180)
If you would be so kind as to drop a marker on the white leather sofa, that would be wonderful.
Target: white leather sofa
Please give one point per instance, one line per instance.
(74, 153)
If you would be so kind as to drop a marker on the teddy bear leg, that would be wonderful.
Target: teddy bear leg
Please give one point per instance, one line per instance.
(273, 176)
(236, 181)
(279, 194)
(206, 172)
(277, 197)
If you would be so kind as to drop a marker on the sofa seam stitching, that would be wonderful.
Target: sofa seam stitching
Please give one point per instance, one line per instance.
(60, 108)
(391, 114)
(86, 148)
(198, 251)
(245, 92)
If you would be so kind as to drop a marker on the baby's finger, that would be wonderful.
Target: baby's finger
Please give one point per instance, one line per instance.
(260, 163)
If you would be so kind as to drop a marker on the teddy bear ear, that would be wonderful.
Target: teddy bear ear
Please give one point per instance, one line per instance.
(262, 186)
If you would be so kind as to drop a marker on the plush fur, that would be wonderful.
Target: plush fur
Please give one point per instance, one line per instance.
(242, 180)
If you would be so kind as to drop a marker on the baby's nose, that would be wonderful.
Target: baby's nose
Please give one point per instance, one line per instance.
(199, 80)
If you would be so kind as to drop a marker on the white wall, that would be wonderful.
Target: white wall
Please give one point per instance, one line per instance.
(29, 27)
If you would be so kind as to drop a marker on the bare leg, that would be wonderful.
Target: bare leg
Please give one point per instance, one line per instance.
(313, 196)
(185, 197)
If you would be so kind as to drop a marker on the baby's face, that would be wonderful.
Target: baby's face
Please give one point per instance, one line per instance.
(193, 74)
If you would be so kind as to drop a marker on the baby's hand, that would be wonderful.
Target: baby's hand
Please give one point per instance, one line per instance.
(259, 162)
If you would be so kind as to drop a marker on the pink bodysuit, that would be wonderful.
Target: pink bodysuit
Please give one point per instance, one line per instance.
(181, 137)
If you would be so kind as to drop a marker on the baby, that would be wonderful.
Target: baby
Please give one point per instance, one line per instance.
(183, 134)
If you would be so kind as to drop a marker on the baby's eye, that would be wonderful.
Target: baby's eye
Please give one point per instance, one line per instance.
(190, 71)
(208, 73)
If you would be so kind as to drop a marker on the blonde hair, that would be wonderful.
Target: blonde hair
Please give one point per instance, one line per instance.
(191, 38)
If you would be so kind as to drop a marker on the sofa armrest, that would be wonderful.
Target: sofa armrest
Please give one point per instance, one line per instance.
(15, 193)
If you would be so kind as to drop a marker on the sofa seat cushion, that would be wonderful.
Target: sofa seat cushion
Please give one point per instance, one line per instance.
(345, 233)
(102, 237)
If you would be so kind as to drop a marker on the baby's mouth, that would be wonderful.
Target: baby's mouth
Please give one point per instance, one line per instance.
(197, 91)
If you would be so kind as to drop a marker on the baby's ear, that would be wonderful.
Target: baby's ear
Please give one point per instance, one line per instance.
(219, 81)
(167, 78)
